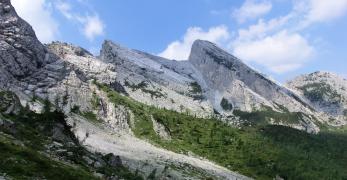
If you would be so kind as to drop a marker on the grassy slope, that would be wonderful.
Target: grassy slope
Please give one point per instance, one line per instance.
(262, 151)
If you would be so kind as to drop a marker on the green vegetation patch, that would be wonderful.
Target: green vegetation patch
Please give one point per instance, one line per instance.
(196, 91)
(226, 105)
(196, 88)
(91, 116)
(316, 92)
(265, 115)
(95, 101)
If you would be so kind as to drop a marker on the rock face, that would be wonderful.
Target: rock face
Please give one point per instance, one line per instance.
(226, 77)
(84, 63)
(156, 81)
(21, 54)
(327, 92)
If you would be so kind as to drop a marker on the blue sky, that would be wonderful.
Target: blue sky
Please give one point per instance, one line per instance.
(281, 38)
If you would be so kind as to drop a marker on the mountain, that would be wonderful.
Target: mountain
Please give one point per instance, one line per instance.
(326, 92)
(210, 82)
(132, 115)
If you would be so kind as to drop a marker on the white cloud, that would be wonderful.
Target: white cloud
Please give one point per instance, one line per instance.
(277, 43)
(64, 8)
(281, 52)
(91, 25)
(325, 10)
(318, 11)
(38, 14)
(262, 28)
(251, 9)
(180, 50)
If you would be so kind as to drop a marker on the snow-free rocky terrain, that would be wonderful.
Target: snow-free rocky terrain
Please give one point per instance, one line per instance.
(211, 83)
(326, 92)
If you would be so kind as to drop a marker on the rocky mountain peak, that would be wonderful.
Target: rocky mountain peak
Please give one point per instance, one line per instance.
(203, 44)
(230, 80)
(21, 53)
(201, 48)
(110, 50)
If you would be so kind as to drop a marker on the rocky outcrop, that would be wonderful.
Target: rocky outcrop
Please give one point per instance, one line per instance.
(21, 54)
(84, 63)
(10, 103)
(327, 92)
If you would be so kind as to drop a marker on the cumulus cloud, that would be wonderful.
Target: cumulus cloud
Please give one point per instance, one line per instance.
(323, 10)
(180, 49)
(281, 52)
(251, 9)
(277, 43)
(38, 13)
(272, 45)
(91, 25)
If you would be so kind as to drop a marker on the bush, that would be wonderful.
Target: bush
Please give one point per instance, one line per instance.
(226, 105)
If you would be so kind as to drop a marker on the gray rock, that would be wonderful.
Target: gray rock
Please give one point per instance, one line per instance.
(57, 144)
(88, 160)
(4, 177)
(98, 164)
(7, 8)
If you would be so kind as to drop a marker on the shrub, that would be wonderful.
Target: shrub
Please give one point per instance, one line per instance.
(226, 105)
